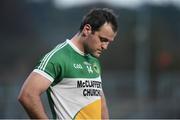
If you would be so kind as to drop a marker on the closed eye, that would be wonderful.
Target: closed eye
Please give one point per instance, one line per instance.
(102, 39)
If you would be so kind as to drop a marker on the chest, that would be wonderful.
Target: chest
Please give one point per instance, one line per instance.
(80, 67)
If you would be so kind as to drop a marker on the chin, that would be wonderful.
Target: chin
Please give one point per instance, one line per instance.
(96, 55)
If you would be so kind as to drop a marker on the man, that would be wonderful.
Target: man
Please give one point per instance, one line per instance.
(70, 73)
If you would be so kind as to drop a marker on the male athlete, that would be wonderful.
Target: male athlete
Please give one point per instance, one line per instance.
(71, 74)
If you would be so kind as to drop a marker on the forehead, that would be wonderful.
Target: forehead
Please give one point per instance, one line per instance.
(107, 32)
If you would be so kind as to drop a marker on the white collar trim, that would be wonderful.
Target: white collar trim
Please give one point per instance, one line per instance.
(75, 47)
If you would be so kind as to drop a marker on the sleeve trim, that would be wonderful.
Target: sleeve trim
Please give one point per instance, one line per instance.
(44, 74)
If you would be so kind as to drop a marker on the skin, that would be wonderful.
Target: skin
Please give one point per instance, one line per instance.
(104, 108)
(30, 95)
(88, 42)
(94, 42)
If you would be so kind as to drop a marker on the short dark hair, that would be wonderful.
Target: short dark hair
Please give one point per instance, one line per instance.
(97, 17)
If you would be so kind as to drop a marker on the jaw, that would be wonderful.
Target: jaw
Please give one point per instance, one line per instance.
(96, 54)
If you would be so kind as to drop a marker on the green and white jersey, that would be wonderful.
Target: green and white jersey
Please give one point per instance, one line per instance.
(76, 82)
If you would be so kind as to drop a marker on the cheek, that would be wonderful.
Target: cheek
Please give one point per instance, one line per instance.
(94, 42)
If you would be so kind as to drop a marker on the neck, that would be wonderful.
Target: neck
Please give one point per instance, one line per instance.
(78, 41)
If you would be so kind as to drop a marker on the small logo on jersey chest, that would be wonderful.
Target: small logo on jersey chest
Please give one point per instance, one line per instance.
(77, 66)
(89, 69)
(88, 66)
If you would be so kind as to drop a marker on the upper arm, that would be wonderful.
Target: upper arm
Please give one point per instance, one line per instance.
(35, 84)
(102, 96)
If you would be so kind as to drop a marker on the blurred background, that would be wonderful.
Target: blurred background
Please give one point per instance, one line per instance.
(141, 69)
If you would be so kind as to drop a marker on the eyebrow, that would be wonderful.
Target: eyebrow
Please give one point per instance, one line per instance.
(103, 39)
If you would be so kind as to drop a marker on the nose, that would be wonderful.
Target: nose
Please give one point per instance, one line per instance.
(104, 46)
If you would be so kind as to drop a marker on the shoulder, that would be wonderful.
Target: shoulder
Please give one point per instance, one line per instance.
(59, 52)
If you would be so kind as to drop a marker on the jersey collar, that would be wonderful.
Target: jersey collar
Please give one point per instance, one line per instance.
(75, 48)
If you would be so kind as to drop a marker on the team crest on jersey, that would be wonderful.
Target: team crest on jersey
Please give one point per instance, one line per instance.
(96, 69)
(92, 67)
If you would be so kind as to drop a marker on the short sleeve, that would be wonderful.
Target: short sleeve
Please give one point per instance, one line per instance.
(48, 67)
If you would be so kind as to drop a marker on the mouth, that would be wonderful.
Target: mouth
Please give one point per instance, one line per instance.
(99, 51)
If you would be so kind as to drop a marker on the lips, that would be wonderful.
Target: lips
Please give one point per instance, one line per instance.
(99, 51)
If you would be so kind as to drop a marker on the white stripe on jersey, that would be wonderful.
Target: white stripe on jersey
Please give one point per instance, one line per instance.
(44, 74)
(48, 56)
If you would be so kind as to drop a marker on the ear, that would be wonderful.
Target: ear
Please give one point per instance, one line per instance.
(86, 30)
